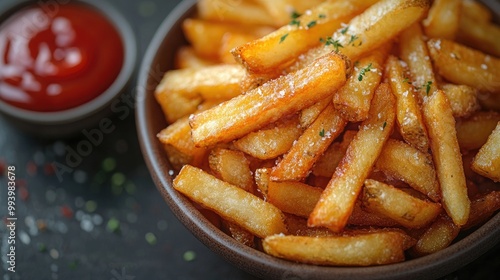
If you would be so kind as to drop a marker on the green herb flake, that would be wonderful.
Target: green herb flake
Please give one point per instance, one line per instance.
(363, 72)
(330, 42)
(322, 133)
(353, 38)
(295, 22)
(295, 15)
(189, 256)
(311, 24)
(283, 38)
(344, 30)
(406, 80)
(384, 125)
(428, 87)
(150, 238)
(322, 16)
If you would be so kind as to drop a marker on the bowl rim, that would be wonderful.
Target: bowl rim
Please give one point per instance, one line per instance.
(257, 262)
(88, 108)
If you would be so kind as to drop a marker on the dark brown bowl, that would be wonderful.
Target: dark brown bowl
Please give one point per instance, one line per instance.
(150, 120)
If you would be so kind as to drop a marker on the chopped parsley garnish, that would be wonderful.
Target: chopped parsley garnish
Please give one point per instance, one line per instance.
(344, 30)
(384, 125)
(283, 38)
(330, 42)
(295, 22)
(322, 133)
(363, 72)
(322, 16)
(311, 24)
(353, 38)
(295, 15)
(428, 87)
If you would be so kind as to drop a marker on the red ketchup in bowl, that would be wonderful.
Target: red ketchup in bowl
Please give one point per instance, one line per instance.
(59, 59)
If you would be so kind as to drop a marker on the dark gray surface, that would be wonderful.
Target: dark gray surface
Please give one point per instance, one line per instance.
(54, 243)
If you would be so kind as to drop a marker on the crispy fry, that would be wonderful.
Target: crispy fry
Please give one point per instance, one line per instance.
(281, 47)
(396, 204)
(462, 65)
(296, 164)
(179, 146)
(230, 202)
(440, 123)
(186, 57)
(479, 34)
(181, 91)
(487, 160)
(272, 141)
(437, 237)
(463, 99)
(293, 197)
(338, 199)
(418, 171)
(482, 207)
(282, 10)
(275, 99)
(309, 114)
(443, 19)
(353, 99)
(473, 132)
(372, 248)
(232, 167)
(413, 50)
(326, 164)
(408, 114)
(376, 26)
(241, 12)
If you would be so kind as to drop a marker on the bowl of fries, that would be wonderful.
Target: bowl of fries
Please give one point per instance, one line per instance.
(345, 139)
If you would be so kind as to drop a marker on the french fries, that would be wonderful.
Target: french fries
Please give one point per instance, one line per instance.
(338, 199)
(487, 160)
(265, 104)
(439, 120)
(335, 132)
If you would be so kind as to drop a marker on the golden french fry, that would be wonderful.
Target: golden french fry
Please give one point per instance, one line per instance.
(463, 99)
(239, 233)
(353, 99)
(241, 12)
(296, 164)
(272, 141)
(262, 179)
(482, 208)
(377, 25)
(230, 202)
(186, 57)
(473, 132)
(281, 47)
(338, 199)
(181, 91)
(438, 236)
(362, 217)
(293, 197)
(487, 160)
(267, 103)
(281, 11)
(481, 35)
(371, 248)
(326, 164)
(179, 146)
(408, 114)
(443, 19)
(475, 10)
(408, 164)
(414, 51)
(398, 205)
(231, 166)
(462, 65)
(440, 123)
(309, 114)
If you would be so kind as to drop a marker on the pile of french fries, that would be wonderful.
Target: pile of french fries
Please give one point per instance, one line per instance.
(337, 132)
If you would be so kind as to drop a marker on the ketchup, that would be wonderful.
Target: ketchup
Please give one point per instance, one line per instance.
(59, 59)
